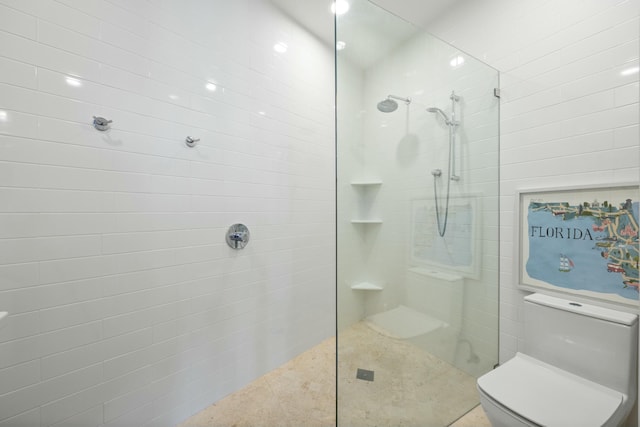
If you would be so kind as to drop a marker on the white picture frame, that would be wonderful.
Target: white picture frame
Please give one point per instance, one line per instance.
(566, 236)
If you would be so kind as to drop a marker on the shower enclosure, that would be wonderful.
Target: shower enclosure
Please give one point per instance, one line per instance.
(417, 223)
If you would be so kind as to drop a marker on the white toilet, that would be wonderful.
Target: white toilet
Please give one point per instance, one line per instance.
(578, 368)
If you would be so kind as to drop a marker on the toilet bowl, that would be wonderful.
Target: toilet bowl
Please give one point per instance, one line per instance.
(430, 316)
(578, 368)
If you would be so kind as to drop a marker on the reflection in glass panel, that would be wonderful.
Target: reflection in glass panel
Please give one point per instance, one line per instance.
(417, 173)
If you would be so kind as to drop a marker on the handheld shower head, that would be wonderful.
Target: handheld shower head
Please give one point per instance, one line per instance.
(439, 111)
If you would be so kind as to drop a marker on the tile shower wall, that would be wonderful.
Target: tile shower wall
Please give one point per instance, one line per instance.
(351, 257)
(404, 147)
(569, 111)
(127, 307)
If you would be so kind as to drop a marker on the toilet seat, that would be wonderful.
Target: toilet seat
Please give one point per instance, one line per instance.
(549, 396)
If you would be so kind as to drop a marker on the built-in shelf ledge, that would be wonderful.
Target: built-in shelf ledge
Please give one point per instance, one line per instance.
(448, 277)
(366, 182)
(366, 286)
(366, 221)
(3, 318)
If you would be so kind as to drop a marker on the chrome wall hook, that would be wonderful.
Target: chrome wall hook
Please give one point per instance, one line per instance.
(191, 142)
(101, 123)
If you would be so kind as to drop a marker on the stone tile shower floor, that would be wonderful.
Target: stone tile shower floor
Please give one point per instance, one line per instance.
(410, 388)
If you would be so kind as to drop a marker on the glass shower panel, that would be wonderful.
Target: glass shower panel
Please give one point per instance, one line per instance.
(417, 222)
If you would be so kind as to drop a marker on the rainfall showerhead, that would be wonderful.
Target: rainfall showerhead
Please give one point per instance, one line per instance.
(388, 105)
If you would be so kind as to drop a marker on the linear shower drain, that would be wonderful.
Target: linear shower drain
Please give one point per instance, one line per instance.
(364, 374)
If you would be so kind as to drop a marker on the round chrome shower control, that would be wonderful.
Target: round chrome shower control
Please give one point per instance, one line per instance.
(238, 236)
(436, 172)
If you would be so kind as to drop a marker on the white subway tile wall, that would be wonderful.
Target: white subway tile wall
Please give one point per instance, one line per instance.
(401, 149)
(569, 114)
(127, 306)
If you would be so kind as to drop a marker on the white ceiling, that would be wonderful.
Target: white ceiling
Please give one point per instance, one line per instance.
(418, 12)
(314, 15)
(369, 31)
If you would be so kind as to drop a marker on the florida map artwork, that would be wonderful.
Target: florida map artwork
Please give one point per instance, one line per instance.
(582, 242)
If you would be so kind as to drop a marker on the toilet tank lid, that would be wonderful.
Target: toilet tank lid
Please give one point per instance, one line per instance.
(583, 309)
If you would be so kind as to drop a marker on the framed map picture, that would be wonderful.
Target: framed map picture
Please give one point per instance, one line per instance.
(580, 240)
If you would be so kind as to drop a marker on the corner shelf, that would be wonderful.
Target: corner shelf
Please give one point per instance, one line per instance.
(366, 286)
(364, 186)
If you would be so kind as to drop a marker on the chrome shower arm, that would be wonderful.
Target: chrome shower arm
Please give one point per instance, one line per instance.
(399, 98)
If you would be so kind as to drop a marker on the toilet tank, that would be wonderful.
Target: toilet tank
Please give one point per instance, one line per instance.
(593, 342)
(436, 293)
